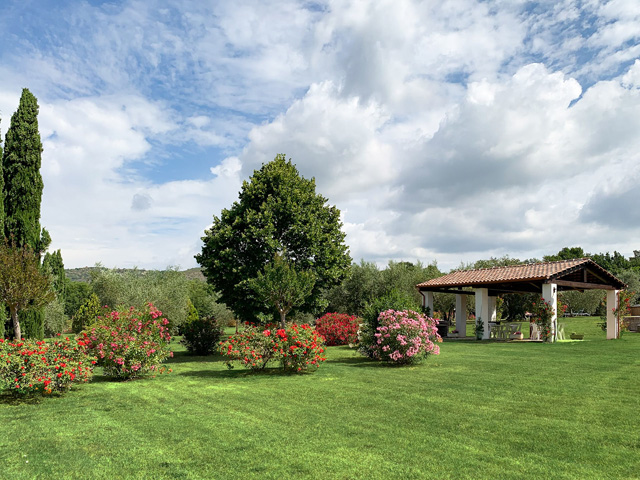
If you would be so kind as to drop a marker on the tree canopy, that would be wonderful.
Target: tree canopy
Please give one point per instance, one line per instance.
(278, 212)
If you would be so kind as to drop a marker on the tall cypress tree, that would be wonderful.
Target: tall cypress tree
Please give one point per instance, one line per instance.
(21, 171)
(1, 189)
(3, 310)
(23, 186)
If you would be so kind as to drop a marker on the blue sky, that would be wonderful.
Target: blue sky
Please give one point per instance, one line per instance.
(445, 131)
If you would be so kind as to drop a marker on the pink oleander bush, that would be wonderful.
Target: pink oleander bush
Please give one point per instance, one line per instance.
(338, 328)
(130, 343)
(405, 337)
(38, 366)
(297, 348)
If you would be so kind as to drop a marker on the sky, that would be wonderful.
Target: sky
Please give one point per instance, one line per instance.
(445, 131)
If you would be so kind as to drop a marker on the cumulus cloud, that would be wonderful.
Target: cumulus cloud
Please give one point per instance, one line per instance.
(442, 130)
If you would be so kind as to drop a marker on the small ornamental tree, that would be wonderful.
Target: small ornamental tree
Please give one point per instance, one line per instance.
(282, 286)
(22, 282)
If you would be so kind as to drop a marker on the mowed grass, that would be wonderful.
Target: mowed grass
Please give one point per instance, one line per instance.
(479, 410)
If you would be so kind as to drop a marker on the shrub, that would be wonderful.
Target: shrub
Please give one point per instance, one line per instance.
(405, 337)
(201, 336)
(394, 300)
(28, 367)
(298, 347)
(338, 328)
(130, 343)
(86, 314)
(55, 320)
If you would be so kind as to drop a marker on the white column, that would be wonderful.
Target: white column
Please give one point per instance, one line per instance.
(493, 312)
(427, 301)
(612, 323)
(461, 314)
(482, 309)
(550, 295)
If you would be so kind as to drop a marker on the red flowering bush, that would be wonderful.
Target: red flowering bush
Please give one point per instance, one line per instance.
(338, 328)
(28, 367)
(130, 343)
(297, 348)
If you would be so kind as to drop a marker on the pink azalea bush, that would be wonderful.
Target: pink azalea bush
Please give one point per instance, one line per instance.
(338, 328)
(130, 343)
(405, 337)
(43, 367)
(297, 348)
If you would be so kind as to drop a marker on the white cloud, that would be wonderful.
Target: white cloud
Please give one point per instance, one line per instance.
(442, 130)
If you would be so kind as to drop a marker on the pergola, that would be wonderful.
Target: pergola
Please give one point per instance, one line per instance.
(546, 278)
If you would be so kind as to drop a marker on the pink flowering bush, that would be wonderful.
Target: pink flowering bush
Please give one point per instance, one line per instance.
(405, 337)
(130, 343)
(338, 328)
(29, 367)
(298, 348)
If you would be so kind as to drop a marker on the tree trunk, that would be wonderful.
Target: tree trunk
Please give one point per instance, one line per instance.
(16, 323)
(282, 317)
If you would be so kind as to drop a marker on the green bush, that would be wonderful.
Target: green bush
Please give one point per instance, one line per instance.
(55, 320)
(201, 336)
(87, 314)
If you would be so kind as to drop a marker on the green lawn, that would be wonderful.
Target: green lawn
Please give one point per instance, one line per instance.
(479, 410)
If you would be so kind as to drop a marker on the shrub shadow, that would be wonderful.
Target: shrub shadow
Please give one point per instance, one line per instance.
(185, 357)
(243, 373)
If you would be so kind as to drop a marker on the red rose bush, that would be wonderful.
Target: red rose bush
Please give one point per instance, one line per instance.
(30, 367)
(297, 348)
(130, 343)
(338, 328)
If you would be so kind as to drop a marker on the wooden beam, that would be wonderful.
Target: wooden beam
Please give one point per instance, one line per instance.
(446, 290)
(583, 285)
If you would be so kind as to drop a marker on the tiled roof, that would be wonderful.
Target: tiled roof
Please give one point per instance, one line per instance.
(514, 273)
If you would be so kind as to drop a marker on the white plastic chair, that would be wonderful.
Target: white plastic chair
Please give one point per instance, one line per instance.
(560, 332)
(535, 332)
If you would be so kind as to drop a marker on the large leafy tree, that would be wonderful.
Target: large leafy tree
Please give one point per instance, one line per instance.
(278, 211)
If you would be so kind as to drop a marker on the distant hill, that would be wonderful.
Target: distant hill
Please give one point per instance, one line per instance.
(84, 274)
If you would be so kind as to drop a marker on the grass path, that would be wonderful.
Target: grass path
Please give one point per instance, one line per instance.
(479, 410)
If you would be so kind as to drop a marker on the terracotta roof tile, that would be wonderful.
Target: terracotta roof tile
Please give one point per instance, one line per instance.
(514, 273)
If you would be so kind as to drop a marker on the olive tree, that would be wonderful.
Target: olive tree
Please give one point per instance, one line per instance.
(22, 283)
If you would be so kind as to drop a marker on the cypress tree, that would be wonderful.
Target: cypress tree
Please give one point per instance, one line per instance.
(1, 189)
(23, 185)
(22, 192)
